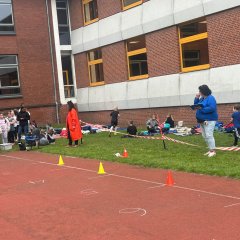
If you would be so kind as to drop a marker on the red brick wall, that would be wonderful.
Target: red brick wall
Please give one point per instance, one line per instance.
(115, 63)
(163, 52)
(76, 13)
(224, 37)
(108, 8)
(31, 44)
(140, 116)
(81, 68)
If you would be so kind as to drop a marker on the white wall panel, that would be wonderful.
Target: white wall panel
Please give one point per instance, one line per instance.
(164, 91)
(82, 99)
(189, 83)
(96, 98)
(137, 94)
(213, 6)
(157, 14)
(77, 40)
(185, 10)
(90, 36)
(131, 24)
(110, 29)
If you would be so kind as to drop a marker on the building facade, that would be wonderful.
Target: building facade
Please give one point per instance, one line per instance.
(143, 56)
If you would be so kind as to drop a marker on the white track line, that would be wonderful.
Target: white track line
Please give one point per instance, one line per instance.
(102, 176)
(125, 177)
(232, 205)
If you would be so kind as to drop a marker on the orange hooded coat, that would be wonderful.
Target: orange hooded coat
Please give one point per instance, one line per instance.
(73, 125)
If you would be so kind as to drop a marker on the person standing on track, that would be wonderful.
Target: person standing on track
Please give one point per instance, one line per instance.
(73, 125)
(114, 120)
(206, 116)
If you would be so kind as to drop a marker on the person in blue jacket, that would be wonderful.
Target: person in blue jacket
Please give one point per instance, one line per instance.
(236, 122)
(206, 116)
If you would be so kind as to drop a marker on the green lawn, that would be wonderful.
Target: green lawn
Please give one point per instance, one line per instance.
(150, 153)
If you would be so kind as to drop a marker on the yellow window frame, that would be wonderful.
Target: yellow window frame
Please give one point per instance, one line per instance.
(134, 53)
(84, 2)
(65, 72)
(185, 40)
(131, 5)
(91, 63)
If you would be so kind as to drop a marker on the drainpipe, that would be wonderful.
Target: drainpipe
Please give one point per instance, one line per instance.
(52, 63)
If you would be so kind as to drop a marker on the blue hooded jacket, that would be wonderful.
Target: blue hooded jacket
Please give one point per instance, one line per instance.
(208, 112)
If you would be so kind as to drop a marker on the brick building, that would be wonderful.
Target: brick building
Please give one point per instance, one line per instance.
(142, 56)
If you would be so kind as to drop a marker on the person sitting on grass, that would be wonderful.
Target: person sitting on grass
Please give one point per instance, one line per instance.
(131, 130)
(170, 120)
(236, 122)
(152, 125)
(50, 134)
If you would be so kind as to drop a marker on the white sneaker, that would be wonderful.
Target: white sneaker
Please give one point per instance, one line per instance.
(207, 153)
(211, 154)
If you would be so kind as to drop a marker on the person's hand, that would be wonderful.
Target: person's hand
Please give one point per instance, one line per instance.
(197, 95)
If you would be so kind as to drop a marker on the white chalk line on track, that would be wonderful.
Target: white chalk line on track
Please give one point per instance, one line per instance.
(130, 178)
(232, 205)
(102, 176)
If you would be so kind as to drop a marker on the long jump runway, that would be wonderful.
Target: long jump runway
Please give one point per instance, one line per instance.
(40, 200)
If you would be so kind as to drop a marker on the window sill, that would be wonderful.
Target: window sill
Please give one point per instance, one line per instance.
(2, 33)
(138, 77)
(132, 5)
(11, 96)
(196, 68)
(90, 22)
(97, 84)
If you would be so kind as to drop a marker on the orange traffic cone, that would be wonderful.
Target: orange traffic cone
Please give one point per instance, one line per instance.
(125, 153)
(170, 180)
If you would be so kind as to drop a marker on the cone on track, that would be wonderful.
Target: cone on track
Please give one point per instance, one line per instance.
(60, 161)
(101, 169)
(170, 180)
(125, 153)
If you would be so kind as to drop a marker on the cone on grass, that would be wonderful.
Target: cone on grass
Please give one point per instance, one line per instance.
(170, 180)
(125, 153)
(101, 169)
(60, 161)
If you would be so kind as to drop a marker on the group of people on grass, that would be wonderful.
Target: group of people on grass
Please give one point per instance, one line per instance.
(17, 122)
(206, 115)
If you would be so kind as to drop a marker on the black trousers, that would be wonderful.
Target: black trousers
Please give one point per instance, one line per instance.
(70, 139)
(11, 136)
(236, 136)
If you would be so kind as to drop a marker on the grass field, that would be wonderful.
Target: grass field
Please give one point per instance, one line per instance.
(150, 153)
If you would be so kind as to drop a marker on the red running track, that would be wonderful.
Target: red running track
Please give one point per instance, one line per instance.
(40, 200)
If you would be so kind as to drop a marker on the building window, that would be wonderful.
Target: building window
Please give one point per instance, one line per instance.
(193, 38)
(95, 66)
(137, 58)
(63, 22)
(6, 17)
(67, 76)
(130, 3)
(90, 11)
(9, 80)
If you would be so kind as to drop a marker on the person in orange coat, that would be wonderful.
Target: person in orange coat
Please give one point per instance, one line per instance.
(73, 125)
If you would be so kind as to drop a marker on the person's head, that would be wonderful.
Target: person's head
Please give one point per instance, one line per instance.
(15, 112)
(236, 108)
(70, 105)
(131, 122)
(169, 115)
(12, 113)
(23, 109)
(9, 114)
(204, 90)
(1, 115)
(115, 109)
(153, 116)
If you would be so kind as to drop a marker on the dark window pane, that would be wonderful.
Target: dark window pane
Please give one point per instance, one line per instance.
(61, 4)
(136, 43)
(6, 28)
(8, 60)
(90, 11)
(195, 53)
(64, 35)
(94, 55)
(96, 73)
(69, 91)
(129, 2)
(193, 29)
(9, 91)
(62, 16)
(138, 65)
(5, 14)
(8, 77)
